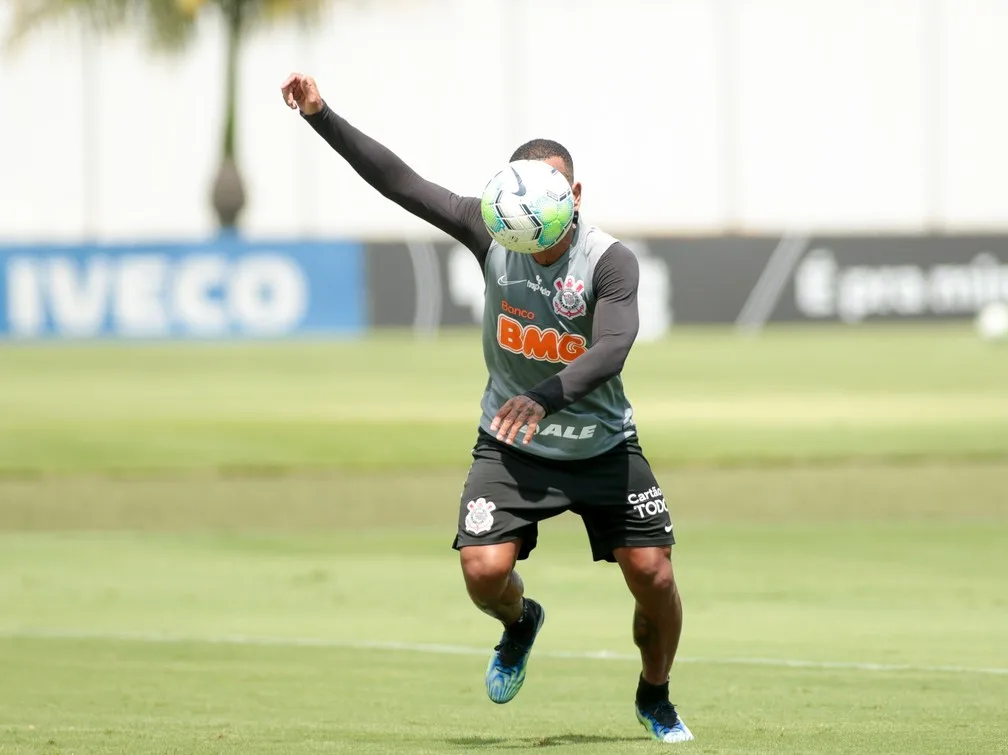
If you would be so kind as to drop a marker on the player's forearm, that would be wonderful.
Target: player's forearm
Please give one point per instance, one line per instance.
(599, 364)
(373, 161)
(614, 330)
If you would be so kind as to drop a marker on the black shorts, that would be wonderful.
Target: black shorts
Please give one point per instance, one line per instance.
(508, 492)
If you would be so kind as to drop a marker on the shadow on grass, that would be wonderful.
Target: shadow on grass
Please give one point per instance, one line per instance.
(530, 743)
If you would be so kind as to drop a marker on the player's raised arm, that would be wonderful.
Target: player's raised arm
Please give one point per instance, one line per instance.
(457, 216)
(614, 329)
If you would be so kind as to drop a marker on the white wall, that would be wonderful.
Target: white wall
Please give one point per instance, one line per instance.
(683, 115)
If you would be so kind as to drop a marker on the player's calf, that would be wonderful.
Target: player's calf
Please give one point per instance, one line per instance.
(657, 625)
(491, 581)
(657, 620)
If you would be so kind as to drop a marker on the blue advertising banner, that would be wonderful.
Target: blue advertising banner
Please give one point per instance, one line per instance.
(224, 288)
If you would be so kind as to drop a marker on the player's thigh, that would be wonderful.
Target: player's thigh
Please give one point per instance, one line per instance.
(505, 496)
(622, 505)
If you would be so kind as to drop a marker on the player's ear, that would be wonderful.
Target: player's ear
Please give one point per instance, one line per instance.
(576, 189)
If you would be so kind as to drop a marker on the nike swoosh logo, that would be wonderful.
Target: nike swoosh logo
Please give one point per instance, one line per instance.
(668, 527)
(521, 184)
(503, 281)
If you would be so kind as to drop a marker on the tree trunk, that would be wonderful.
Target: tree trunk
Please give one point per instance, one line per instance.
(228, 191)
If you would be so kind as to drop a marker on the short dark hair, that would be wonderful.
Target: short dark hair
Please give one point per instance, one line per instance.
(543, 149)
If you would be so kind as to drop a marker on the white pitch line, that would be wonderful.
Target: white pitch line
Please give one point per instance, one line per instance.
(440, 649)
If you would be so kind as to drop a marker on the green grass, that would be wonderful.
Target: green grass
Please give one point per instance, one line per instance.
(277, 528)
(209, 614)
(702, 396)
(199, 698)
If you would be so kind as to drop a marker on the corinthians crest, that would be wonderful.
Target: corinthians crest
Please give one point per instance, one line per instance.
(569, 299)
(479, 519)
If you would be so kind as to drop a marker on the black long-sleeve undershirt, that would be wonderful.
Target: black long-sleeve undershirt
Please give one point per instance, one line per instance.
(614, 329)
(615, 322)
(457, 216)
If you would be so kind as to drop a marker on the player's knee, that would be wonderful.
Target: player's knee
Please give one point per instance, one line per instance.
(486, 568)
(648, 569)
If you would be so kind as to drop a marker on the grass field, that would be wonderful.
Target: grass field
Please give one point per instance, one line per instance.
(392, 402)
(245, 549)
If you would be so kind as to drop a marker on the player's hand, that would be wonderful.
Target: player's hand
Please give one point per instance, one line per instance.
(300, 93)
(521, 410)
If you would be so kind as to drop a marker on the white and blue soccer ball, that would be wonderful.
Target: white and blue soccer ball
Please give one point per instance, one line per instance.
(528, 206)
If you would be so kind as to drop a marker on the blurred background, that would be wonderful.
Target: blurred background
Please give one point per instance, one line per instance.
(808, 128)
(239, 387)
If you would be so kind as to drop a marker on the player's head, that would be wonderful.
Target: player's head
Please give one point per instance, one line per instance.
(554, 154)
(549, 151)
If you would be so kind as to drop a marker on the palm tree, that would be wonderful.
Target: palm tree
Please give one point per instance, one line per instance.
(169, 25)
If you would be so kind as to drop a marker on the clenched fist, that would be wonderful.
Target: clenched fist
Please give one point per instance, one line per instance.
(300, 93)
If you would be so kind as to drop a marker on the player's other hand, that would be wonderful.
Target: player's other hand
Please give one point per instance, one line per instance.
(516, 412)
(301, 93)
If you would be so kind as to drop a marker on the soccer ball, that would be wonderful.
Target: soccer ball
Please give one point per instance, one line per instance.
(992, 321)
(528, 206)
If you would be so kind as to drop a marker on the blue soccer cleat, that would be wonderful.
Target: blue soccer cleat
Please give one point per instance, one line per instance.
(663, 723)
(506, 672)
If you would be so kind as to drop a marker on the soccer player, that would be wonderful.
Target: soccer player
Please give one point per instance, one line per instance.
(557, 432)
